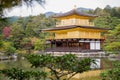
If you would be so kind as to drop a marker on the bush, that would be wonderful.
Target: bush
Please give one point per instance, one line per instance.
(10, 50)
(21, 74)
(60, 66)
(112, 74)
(6, 44)
(1, 44)
(39, 45)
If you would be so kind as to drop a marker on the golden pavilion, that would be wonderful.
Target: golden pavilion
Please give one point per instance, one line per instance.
(75, 32)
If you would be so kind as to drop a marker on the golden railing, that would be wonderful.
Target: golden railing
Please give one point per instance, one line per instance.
(74, 23)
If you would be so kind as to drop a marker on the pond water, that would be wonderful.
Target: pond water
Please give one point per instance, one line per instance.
(15, 63)
(24, 64)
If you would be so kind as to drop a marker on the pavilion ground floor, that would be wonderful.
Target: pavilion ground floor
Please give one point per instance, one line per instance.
(74, 45)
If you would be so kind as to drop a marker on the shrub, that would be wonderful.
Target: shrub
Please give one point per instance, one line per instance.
(39, 45)
(21, 74)
(112, 74)
(10, 50)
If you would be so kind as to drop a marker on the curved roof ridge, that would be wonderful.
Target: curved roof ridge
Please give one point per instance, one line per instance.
(74, 11)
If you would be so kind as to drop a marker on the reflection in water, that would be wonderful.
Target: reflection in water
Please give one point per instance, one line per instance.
(3, 61)
(25, 64)
(14, 63)
(97, 65)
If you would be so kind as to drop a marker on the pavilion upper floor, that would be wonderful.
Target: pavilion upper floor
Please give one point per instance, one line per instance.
(75, 21)
(72, 32)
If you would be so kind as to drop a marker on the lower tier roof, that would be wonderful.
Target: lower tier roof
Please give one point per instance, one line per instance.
(73, 26)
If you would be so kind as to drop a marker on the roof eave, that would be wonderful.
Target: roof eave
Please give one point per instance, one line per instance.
(64, 28)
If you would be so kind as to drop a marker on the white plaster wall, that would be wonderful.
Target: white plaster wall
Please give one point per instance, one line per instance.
(97, 45)
(92, 45)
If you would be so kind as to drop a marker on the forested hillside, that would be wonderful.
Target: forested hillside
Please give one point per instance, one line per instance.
(109, 17)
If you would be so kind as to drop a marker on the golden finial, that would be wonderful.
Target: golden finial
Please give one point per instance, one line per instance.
(75, 6)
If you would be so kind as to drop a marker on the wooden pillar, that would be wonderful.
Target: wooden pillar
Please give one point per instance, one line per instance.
(78, 46)
(55, 44)
(95, 44)
(67, 43)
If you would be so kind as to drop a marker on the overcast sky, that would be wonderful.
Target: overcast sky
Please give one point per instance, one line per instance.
(61, 6)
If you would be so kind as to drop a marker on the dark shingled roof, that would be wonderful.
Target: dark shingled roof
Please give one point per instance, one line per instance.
(74, 11)
(73, 26)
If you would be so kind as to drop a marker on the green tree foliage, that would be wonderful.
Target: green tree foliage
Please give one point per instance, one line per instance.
(62, 65)
(35, 24)
(17, 34)
(39, 44)
(112, 74)
(26, 44)
(113, 40)
(29, 27)
(107, 22)
(99, 12)
(115, 12)
(20, 74)
(108, 9)
(109, 17)
(8, 4)
(1, 42)
(7, 43)
(10, 50)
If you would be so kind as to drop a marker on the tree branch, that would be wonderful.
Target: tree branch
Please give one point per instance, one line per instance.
(55, 73)
(72, 75)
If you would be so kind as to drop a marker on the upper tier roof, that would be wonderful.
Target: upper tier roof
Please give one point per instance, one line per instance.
(73, 26)
(73, 12)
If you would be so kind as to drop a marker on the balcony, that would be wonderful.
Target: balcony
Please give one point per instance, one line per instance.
(75, 22)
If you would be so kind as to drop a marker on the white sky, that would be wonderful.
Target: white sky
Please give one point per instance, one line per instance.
(61, 6)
